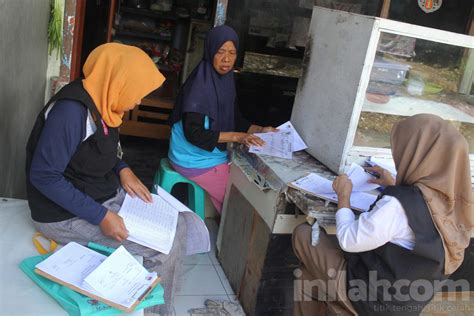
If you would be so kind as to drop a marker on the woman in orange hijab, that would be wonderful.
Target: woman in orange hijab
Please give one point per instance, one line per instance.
(76, 179)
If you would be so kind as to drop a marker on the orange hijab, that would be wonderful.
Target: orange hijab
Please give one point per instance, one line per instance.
(432, 155)
(116, 77)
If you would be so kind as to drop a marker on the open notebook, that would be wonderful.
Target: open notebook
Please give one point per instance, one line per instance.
(153, 225)
(118, 280)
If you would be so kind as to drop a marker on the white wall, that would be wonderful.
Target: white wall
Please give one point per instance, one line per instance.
(23, 51)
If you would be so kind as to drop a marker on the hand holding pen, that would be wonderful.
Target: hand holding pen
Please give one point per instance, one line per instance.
(382, 176)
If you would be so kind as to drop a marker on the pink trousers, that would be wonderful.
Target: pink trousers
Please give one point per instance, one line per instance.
(214, 183)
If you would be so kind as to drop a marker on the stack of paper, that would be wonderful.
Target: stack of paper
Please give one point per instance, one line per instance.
(322, 187)
(118, 280)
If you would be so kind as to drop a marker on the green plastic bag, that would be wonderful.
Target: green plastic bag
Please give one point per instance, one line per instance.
(75, 303)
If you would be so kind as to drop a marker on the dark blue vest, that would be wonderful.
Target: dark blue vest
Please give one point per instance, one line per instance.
(90, 169)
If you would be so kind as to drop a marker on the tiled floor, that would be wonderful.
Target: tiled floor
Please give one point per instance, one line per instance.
(203, 278)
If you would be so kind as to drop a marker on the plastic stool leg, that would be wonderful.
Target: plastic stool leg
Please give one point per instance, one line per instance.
(156, 181)
(196, 200)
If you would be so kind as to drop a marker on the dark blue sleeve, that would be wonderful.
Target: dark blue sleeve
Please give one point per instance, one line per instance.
(119, 166)
(64, 129)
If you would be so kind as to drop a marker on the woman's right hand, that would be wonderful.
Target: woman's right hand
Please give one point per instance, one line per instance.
(113, 226)
(249, 139)
(385, 177)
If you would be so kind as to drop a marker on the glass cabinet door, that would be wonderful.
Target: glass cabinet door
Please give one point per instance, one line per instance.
(411, 76)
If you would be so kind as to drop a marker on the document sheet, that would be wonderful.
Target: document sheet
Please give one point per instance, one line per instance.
(120, 278)
(72, 264)
(360, 179)
(322, 187)
(297, 142)
(154, 224)
(277, 144)
(150, 224)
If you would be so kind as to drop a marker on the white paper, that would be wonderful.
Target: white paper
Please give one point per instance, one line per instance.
(150, 224)
(277, 144)
(360, 179)
(121, 278)
(322, 187)
(314, 183)
(160, 221)
(71, 264)
(197, 234)
(297, 142)
(387, 164)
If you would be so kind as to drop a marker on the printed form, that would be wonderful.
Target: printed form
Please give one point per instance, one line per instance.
(71, 264)
(150, 224)
(297, 143)
(322, 187)
(120, 278)
(154, 224)
(277, 144)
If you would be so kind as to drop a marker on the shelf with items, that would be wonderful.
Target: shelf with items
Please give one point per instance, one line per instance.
(161, 28)
(150, 13)
(142, 35)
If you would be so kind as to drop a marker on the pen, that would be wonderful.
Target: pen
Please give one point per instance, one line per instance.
(374, 174)
(100, 248)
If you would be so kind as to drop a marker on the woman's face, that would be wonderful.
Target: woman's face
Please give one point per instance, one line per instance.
(224, 59)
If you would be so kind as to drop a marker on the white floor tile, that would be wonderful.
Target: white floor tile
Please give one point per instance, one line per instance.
(224, 280)
(182, 303)
(200, 258)
(201, 280)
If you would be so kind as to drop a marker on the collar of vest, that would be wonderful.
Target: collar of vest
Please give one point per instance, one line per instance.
(75, 91)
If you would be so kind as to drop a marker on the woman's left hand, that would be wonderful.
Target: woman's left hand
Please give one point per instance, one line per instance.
(134, 186)
(342, 185)
(268, 129)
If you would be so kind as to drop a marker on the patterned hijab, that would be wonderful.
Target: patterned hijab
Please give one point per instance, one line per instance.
(432, 155)
(116, 77)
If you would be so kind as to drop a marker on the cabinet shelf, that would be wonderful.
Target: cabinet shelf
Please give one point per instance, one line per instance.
(149, 13)
(142, 35)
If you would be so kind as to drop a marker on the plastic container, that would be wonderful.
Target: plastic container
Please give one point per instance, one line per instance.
(388, 72)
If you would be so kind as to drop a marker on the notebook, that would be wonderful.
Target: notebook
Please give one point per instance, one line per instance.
(150, 224)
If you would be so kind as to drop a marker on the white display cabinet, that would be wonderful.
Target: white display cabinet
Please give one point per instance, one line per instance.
(361, 74)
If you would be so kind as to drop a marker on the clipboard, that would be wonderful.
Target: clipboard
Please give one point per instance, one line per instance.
(105, 251)
(99, 298)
